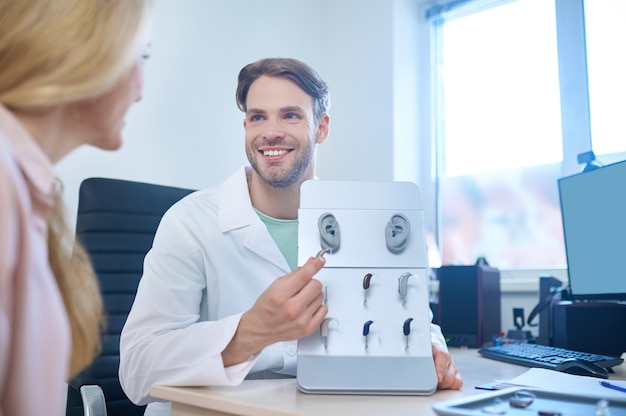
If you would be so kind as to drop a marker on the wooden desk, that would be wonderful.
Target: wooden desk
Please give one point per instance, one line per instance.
(282, 397)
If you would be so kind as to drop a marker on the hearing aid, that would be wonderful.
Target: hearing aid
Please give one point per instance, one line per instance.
(366, 285)
(406, 330)
(324, 330)
(403, 282)
(366, 330)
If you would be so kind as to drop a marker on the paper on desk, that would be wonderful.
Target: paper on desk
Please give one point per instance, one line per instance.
(568, 383)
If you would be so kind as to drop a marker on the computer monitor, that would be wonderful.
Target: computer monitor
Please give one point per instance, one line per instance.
(593, 208)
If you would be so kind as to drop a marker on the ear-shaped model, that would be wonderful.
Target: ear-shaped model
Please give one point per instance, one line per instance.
(329, 232)
(397, 233)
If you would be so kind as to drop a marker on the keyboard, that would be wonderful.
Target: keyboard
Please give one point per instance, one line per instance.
(543, 356)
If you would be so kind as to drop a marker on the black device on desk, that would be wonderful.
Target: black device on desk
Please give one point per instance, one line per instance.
(469, 304)
(553, 358)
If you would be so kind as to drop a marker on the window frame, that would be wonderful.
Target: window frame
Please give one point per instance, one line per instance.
(574, 111)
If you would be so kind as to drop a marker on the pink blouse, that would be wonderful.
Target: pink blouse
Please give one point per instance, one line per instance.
(34, 329)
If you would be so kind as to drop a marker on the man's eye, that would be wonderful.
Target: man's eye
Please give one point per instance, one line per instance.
(291, 116)
(256, 117)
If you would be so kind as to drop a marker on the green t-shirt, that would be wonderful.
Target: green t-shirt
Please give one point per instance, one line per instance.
(285, 235)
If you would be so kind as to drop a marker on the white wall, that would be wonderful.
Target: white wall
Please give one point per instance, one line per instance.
(187, 130)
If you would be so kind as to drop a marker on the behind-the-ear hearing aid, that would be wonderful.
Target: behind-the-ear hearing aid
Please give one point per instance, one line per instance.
(366, 330)
(324, 330)
(403, 282)
(397, 233)
(406, 330)
(366, 285)
(329, 232)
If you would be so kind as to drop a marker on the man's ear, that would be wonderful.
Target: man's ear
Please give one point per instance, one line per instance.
(323, 129)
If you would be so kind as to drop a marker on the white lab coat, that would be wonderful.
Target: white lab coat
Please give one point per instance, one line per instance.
(211, 258)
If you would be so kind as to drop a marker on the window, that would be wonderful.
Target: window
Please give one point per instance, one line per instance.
(499, 141)
(519, 89)
(606, 64)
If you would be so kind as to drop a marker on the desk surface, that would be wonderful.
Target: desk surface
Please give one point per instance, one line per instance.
(282, 397)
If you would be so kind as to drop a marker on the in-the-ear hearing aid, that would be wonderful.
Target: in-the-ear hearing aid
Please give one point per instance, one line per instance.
(397, 233)
(330, 237)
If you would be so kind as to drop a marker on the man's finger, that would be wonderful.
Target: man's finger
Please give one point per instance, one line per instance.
(299, 278)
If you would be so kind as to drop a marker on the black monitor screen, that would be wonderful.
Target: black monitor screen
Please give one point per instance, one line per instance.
(593, 207)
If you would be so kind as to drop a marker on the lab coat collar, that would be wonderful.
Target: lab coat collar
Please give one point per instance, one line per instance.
(236, 211)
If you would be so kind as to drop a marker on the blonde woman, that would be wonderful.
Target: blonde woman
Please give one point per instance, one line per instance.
(69, 71)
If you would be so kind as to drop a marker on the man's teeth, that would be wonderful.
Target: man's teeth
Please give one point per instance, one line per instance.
(274, 152)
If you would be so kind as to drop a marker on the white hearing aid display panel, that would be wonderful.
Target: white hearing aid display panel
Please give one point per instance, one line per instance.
(376, 336)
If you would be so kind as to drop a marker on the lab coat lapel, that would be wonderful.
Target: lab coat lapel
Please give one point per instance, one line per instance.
(260, 241)
(237, 212)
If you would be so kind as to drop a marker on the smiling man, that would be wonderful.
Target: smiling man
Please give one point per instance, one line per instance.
(222, 298)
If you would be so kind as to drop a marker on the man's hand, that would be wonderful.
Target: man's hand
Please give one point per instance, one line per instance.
(448, 376)
(290, 308)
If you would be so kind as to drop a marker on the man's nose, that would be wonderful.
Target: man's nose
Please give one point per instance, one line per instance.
(273, 128)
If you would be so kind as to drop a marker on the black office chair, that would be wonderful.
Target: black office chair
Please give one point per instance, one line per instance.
(116, 223)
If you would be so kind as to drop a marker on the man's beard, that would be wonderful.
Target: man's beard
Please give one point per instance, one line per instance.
(280, 179)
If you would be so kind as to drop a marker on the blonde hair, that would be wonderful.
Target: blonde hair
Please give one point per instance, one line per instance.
(57, 52)
(78, 286)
